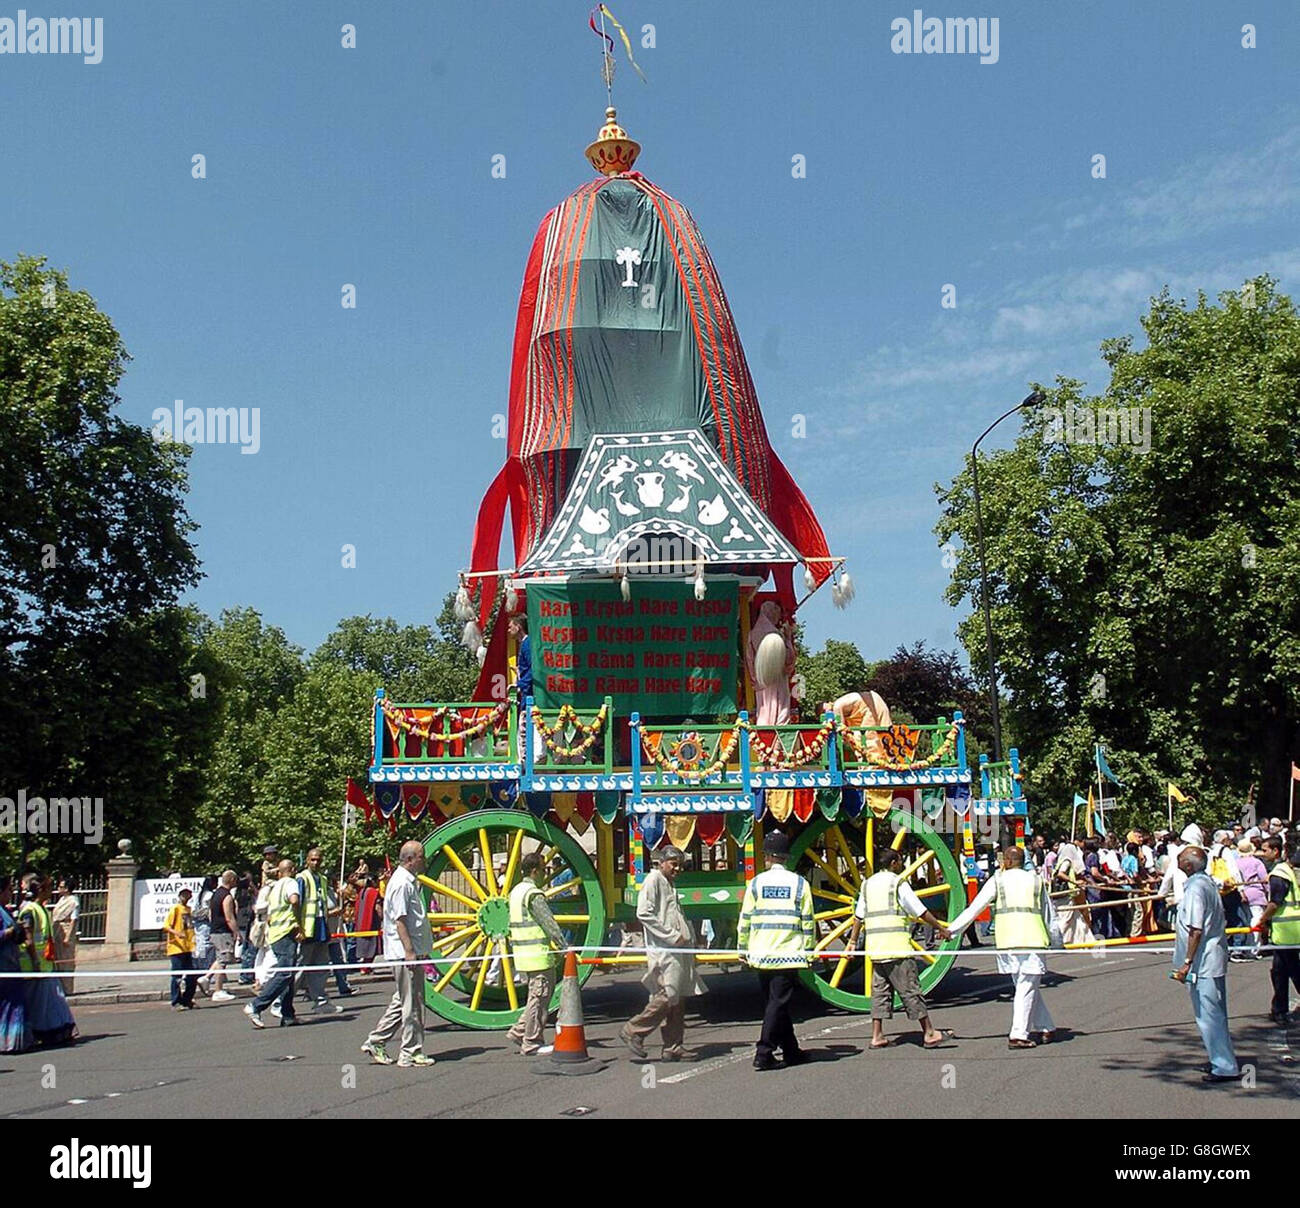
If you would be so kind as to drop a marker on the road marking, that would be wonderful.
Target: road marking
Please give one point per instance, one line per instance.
(721, 1063)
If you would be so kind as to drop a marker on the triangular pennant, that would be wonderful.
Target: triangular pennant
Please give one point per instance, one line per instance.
(805, 802)
(852, 801)
(504, 793)
(780, 803)
(473, 796)
(828, 801)
(958, 797)
(879, 801)
(563, 805)
(415, 799)
(607, 804)
(711, 828)
(388, 797)
(739, 826)
(539, 804)
(652, 830)
(680, 828)
(933, 798)
(760, 804)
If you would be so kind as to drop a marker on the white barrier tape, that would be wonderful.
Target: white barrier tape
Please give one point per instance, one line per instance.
(233, 972)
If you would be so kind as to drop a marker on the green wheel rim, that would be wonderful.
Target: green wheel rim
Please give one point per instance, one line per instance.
(921, 836)
(486, 921)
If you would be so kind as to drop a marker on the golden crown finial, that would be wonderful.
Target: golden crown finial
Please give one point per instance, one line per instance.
(613, 152)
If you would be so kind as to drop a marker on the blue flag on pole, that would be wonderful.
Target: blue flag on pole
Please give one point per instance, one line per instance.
(1080, 800)
(1103, 768)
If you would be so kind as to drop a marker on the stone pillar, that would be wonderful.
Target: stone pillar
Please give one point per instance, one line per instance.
(120, 904)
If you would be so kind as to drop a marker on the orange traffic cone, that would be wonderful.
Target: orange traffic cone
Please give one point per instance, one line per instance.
(569, 1055)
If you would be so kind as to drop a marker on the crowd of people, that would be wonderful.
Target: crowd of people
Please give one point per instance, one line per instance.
(255, 927)
(36, 936)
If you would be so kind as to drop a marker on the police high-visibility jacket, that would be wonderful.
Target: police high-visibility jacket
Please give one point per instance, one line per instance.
(531, 948)
(1018, 910)
(886, 933)
(777, 930)
(281, 918)
(313, 904)
(1284, 926)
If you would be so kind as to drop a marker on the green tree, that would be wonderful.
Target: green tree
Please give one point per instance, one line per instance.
(921, 685)
(838, 667)
(94, 553)
(1149, 598)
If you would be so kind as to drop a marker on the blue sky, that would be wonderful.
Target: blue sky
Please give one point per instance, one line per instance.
(372, 166)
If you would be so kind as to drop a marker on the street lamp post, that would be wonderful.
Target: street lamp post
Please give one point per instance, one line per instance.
(1032, 400)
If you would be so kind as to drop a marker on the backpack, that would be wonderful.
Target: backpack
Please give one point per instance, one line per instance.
(202, 912)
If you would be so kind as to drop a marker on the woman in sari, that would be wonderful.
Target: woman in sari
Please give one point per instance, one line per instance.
(15, 1032)
(1076, 925)
(47, 1008)
(66, 912)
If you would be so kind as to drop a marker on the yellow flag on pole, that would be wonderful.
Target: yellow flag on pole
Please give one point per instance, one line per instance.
(1176, 793)
(1092, 830)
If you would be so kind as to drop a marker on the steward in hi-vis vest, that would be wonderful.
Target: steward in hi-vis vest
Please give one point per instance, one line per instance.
(1025, 923)
(535, 938)
(1280, 923)
(884, 912)
(776, 934)
(314, 951)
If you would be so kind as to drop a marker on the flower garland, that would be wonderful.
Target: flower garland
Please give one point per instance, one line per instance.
(691, 775)
(867, 756)
(773, 757)
(406, 723)
(568, 714)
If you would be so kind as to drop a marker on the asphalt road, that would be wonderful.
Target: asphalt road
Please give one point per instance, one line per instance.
(1126, 1046)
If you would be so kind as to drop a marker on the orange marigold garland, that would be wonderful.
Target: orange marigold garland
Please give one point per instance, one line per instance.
(405, 722)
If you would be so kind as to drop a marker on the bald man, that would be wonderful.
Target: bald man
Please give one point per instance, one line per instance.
(406, 938)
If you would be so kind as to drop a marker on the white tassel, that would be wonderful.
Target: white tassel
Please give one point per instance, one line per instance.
(512, 601)
(463, 608)
(836, 597)
(471, 636)
(808, 581)
(699, 581)
(481, 655)
(847, 590)
(625, 588)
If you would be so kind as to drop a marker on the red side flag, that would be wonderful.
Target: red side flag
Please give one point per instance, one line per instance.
(357, 796)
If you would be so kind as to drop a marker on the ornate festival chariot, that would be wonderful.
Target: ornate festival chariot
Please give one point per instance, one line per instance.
(656, 537)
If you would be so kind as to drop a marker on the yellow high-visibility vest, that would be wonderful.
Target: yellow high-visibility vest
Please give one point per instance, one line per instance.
(1285, 924)
(281, 920)
(886, 934)
(1018, 910)
(313, 900)
(528, 941)
(777, 929)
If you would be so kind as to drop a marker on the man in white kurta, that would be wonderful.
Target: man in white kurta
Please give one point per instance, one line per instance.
(1029, 1015)
(670, 975)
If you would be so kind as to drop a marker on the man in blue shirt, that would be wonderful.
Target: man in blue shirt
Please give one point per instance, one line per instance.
(1201, 960)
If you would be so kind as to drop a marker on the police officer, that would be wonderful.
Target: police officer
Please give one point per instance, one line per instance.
(776, 933)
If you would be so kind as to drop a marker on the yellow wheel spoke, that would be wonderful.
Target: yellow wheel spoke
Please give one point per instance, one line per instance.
(465, 872)
(833, 935)
(446, 977)
(840, 966)
(869, 846)
(899, 838)
(848, 855)
(448, 916)
(833, 897)
(915, 864)
(482, 976)
(931, 890)
(837, 913)
(508, 972)
(572, 918)
(489, 873)
(566, 887)
(439, 887)
(830, 872)
(454, 938)
(925, 956)
(512, 865)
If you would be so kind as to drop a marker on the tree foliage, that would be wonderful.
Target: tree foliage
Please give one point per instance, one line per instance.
(1150, 600)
